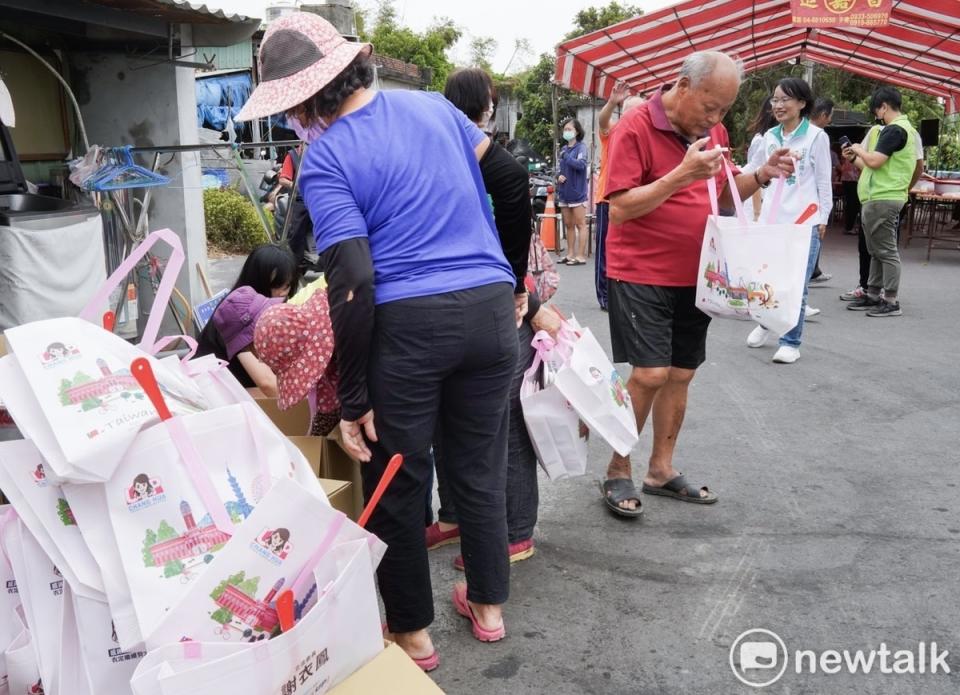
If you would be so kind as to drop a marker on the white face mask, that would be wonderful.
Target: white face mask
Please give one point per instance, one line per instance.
(485, 117)
(569, 135)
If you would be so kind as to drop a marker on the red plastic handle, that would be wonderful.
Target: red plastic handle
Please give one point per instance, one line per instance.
(807, 214)
(109, 320)
(285, 610)
(392, 467)
(143, 373)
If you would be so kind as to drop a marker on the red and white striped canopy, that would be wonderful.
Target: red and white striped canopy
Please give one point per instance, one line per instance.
(919, 49)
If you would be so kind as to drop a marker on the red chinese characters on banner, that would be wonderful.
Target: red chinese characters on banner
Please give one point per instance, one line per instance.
(840, 13)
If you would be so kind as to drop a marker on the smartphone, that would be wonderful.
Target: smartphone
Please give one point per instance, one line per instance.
(845, 142)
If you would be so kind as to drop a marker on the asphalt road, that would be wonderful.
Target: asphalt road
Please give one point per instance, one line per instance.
(838, 525)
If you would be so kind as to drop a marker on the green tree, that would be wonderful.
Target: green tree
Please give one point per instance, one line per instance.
(535, 89)
(173, 568)
(65, 386)
(149, 540)
(232, 580)
(250, 586)
(427, 49)
(482, 49)
(165, 532)
(596, 18)
(222, 616)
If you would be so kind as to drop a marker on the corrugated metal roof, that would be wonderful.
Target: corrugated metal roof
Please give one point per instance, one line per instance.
(174, 11)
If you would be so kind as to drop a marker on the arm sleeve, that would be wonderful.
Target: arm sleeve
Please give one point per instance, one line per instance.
(823, 173)
(892, 139)
(757, 153)
(509, 188)
(328, 196)
(349, 273)
(533, 305)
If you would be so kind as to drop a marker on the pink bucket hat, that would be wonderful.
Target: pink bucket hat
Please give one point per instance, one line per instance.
(296, 342)
(300, 55)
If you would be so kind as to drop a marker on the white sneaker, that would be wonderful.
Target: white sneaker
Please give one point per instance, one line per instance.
(786, 355)
(758, 337)
(810, 313)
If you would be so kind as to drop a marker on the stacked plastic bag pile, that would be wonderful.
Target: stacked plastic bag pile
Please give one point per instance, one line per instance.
(154, 552)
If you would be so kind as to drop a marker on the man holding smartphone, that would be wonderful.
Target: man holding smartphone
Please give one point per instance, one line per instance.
(887, 164)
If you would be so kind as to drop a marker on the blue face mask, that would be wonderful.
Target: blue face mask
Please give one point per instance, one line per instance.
(309, 134)
(568, 135)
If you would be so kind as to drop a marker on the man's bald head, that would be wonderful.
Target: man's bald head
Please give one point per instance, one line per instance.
(705, 90)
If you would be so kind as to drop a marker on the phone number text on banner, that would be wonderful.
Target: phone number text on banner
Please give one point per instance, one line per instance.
(840, 13)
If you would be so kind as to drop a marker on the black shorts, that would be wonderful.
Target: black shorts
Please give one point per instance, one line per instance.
(652, 326)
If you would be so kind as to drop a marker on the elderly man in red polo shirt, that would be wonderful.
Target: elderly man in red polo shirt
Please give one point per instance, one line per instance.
(661, 155)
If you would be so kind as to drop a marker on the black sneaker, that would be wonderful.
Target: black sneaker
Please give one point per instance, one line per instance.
(864, 303)
(886, 309)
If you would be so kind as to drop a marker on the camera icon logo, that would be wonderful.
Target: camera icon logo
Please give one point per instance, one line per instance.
(758, 658)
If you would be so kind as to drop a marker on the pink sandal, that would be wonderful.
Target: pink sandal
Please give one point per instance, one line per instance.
(463, 608)
(427, 663)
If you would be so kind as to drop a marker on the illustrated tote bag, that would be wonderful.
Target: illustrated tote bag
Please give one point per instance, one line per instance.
(595, 389)
(552, 423)
(753, 271)
(234, 599)
(44, 509)
(339, 634)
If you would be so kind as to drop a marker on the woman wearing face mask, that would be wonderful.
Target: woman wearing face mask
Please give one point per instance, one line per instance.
(397, 201)
(812, 182)
(507, 183)
(572, 191)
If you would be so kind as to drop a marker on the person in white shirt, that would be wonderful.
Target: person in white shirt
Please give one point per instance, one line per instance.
(811, 183)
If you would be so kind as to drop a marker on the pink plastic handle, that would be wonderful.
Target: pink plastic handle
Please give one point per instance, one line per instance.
(189, 456)
(92, 312)
(199, 476)
(167, 340)
(322, 549)
(734, 193)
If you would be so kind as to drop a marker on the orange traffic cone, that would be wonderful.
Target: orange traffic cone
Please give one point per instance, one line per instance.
(548, 225)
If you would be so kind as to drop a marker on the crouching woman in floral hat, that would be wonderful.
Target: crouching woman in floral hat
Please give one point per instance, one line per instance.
(422, 306)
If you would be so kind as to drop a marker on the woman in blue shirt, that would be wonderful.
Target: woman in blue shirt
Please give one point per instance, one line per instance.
(572, 191)
(422, 305)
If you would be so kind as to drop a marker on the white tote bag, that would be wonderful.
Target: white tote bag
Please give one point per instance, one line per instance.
(40, 587)
(76, 398)
(43, 507)
(553, 424)
(21, 672)
(106, 666)
(339, 634)
(233, 600)
(595, 389)
(752, 271)
(179, 491)
(11, 624)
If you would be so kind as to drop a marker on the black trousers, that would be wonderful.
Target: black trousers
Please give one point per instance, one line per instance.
(523, 493)
(445, 358)
(851, 205)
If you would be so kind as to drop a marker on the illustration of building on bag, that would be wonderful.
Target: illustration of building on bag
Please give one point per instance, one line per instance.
(90, 393)
(236, 598)
(194, 542)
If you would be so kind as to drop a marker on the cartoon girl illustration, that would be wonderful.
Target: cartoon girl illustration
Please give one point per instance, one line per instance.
(56, 351)
(39, 473)
(617, 390)
(141, 488)
(595, 373)
(276, 540)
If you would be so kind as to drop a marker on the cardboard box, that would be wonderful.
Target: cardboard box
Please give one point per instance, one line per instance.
(338, 464)
(340, 496)
(393, 672)
(313, 449)
(295, 421)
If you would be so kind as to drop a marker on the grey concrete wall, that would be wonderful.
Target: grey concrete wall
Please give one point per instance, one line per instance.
(147, 107)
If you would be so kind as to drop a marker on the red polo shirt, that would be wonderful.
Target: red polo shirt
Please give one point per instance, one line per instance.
(662, 247)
